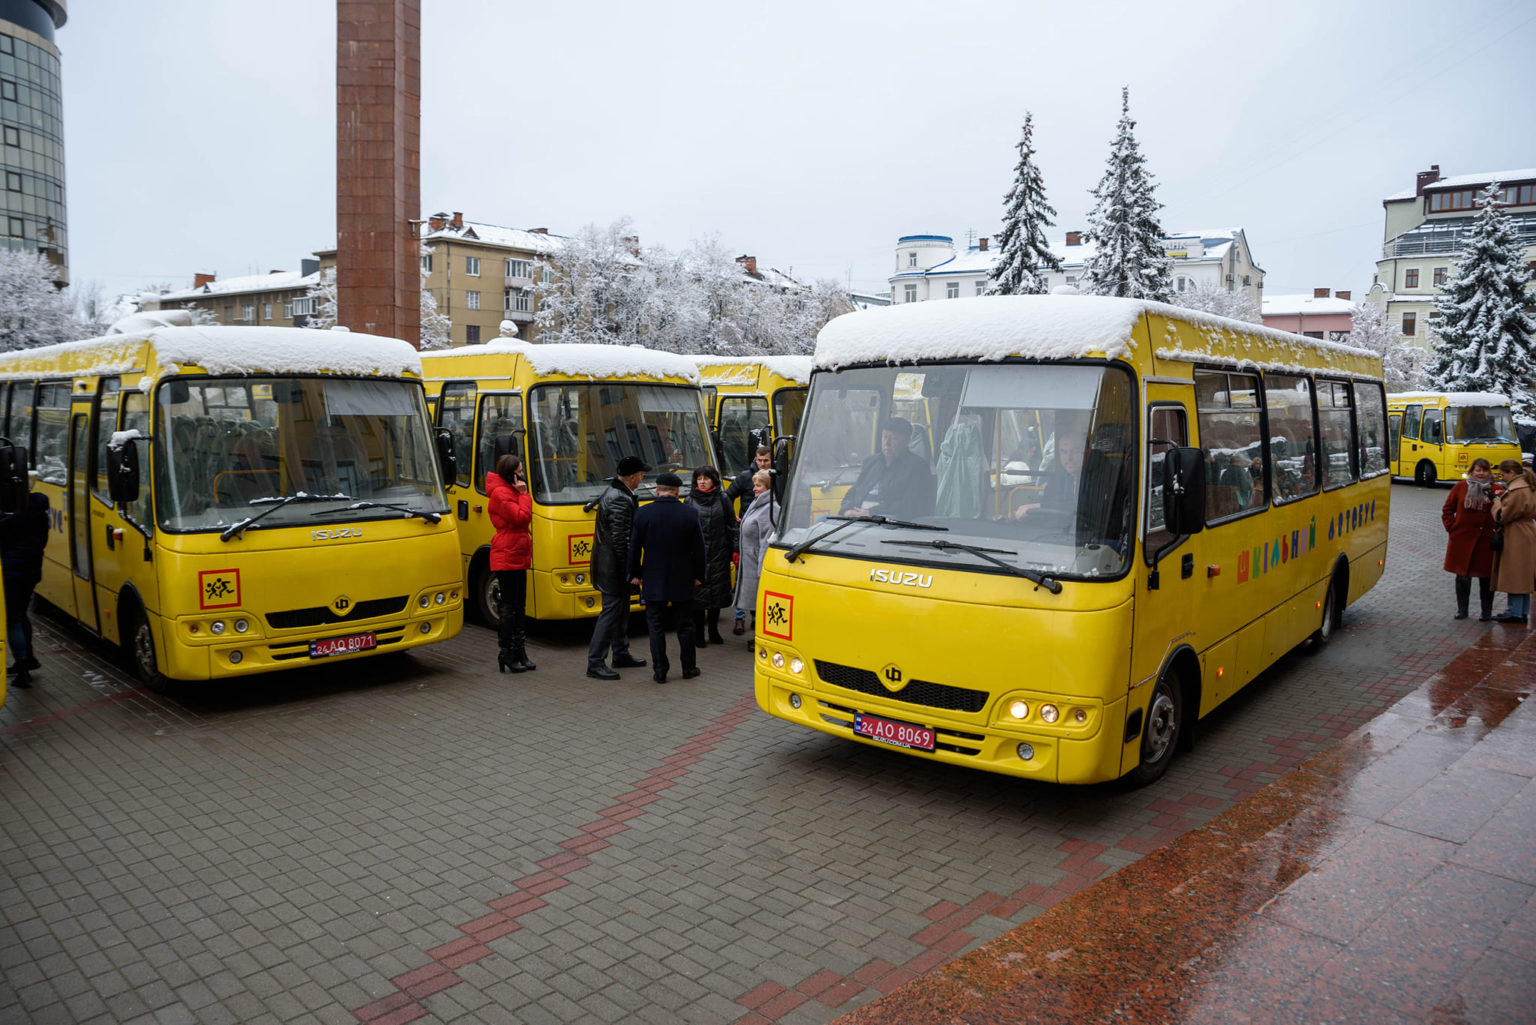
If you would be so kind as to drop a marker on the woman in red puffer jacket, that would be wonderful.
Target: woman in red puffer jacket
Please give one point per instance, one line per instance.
(511, 510)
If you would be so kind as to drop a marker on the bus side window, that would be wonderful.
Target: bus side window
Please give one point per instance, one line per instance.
(19, 424)
(1227, 408)
(1292, 440)
(136, 417)
(1372, 428)
(500, 431)
(1337, 427)
(1430, 435)
(456, 414)
(1168, 427)
(1411, 417)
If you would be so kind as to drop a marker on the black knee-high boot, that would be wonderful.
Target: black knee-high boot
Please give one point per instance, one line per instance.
(509, 631)
(698, 629)
(521, 662)
(712, 621)
(1463, 595)
(1485, 597)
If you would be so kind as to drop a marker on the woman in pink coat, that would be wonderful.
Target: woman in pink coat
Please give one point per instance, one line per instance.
(511, 510)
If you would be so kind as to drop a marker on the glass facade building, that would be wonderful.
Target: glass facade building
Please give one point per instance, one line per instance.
(32, 208)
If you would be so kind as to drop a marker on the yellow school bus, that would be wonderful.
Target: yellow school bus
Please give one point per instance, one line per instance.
(751, 396)
(1132, 510)
(570, 412)
(229, 500)
(1436, 435)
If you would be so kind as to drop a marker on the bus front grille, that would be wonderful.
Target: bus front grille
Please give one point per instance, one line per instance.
(324, 615)
(917, 692)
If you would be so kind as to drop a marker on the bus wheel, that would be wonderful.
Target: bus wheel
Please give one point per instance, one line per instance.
(486, 595)
(1324, 632)
(1160, 734)
(141, 654)
(1424, 474)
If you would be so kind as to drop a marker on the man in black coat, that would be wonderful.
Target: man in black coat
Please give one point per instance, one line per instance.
(893, 482)
(666, 561)
(610, 570)
(23, 536)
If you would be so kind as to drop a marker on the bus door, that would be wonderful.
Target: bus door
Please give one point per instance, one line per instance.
(79, 512)
(1166, 605)
(1432, 440)
(1409, 452)
(118, 542)
(456, 415)
(1394, 429)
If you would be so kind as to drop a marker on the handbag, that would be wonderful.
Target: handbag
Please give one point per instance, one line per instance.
(1496, 540)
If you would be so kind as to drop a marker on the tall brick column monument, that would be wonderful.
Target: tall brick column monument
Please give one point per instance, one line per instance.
(378, 166)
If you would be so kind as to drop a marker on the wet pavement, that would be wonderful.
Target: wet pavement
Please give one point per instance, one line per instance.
(422, 839)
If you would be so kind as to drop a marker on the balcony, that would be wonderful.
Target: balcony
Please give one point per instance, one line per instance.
(522, 284)
(518, 316)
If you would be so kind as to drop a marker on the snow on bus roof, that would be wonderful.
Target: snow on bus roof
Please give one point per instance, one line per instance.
(794, 368)
(592, 361)
(1454, 398)
(1032, 326)
(241, 350)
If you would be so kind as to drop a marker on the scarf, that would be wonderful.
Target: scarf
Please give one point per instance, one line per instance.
(1478, 493)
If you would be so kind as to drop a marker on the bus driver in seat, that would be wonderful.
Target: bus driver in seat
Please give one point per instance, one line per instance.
(1064, 482)
(893, 482)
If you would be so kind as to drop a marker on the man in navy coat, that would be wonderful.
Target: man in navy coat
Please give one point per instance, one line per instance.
(666, 561)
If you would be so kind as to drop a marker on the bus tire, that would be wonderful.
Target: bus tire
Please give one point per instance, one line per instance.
(485, 592)
(140, 649)
(1161, 729)
(1330, 620)
(1424, 474)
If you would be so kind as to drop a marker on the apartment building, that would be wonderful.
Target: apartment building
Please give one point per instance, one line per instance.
(276, 299)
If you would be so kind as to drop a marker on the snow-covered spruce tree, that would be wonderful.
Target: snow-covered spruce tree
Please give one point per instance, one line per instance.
(323, 294)
(1128, 258)
(1400, 361)
(32, 311)
(1022, 248)
(1484, 340)
(1210, 298)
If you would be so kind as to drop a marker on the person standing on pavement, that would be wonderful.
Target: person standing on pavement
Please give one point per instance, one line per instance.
(610, 565)
(1514, 567)
(1468, 518)
(757, 528)
(719, 524)
(740, 493)
(23, 536)
(666, 561)
(511, 509)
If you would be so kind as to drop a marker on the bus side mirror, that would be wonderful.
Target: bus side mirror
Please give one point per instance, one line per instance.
(447, 457)
(14, 483)
(1184, 490)
(123, 471)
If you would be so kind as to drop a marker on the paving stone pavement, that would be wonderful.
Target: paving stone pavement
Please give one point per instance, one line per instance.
(418, 838)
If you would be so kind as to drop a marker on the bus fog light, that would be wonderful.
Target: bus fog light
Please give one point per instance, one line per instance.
(241, 626)
(1081, 715)
(1026, 751)
(1019, 709)
(193, 628)
(424, 601)
(794, 701)
(235, 658)
(581, 578)
(590, 603)
(564, 578)
(217, 626)
(762, 653)
(1049, 713)
(796, 666)
(778, 660)
(440, 597)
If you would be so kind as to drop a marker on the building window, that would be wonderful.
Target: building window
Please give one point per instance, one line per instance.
(248, 314)
(12, 136)
(912, 259)
(18, 227)
(1411, 278)
(911, 291)
(472, 300)
(518, 300)
(518, 269)
(7, 89)
(1179, 284)
(952, 290)
(329, 274)
(12, 181)
(229, 314)
(1410, 323)
(288, 311)
(266, 311)
(1072, 281)
(1440, 276)
(472, 266)
(426, 263)
(472, 334)
(981, 288)
(303, 307)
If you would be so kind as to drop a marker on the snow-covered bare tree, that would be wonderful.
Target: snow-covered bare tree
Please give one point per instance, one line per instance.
(435, 326)
(1484, 340)
(1401, 361)
(1022, 248)
(1128, 258)
(202, 316)
(32, 311)
(598, 289)
(323, 294)
(1212, 298)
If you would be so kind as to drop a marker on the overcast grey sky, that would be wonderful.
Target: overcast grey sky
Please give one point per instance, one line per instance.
(200, 134)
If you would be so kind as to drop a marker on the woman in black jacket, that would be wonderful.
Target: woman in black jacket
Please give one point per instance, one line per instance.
(719, 524)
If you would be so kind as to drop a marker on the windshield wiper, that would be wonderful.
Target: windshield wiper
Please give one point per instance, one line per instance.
(274, 504)
(430, 517)
(847, 521)
(1039, 579)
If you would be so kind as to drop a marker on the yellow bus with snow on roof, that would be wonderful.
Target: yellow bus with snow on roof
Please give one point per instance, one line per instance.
(232, 500)
(753, 396)
(570, 412)
(1131, 511)
(1436, 435)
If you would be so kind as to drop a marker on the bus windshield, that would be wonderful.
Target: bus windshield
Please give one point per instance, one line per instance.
(991, 467)
(229, 448)
(580, 431)
(1489, 424)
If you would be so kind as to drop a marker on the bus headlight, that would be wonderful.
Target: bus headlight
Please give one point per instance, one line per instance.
(581, 578)
(796, 665)
(217, 626)
(425, 601)
(778, 660)
(440, 597)
(1019, 709)
(1049, 713)
(241, 626)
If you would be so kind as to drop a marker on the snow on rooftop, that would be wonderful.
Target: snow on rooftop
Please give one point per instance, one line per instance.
(1303, 303)
(247, 283)
(1045, 327)
(794, 368)
(496, 235)
(1461, 181)
(1453, 398)
(594, 362)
